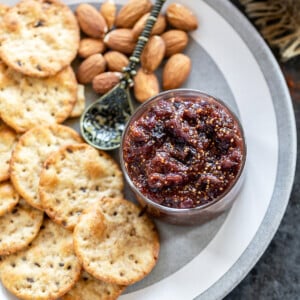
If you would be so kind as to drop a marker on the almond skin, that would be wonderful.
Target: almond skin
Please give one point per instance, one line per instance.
(175, 40)
(91, 67)
(116, 61)
(181, 17)
(176, 71)
(91, 21)
(120, 40)
(131, 12)
(104, 82)
(158, 28)
(145, 85)
(109, 11)
(153, 54)
(89, 46)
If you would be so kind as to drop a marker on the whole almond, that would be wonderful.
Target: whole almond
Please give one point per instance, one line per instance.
(116, 61)
(175, 40)
(181, 17)
(153, 54)
(91, 67)
(91, 21)
(109, 11)
(89, 46)
(104, 82)
(120, 40)
(145, 85)
(158, 28)
(131, 12)
(176, 71)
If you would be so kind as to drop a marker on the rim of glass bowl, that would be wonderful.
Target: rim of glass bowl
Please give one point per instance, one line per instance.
(171, 93)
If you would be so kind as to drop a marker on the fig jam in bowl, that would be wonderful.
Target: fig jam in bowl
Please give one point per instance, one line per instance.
(183, 153)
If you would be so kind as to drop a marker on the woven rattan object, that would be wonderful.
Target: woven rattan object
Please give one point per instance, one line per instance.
(279, 23)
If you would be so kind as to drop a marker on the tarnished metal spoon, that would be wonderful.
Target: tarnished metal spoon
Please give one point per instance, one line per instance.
(103, 122)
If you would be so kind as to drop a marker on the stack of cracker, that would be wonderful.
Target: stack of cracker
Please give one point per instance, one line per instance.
(91, 241)
(65, 229)
(38, 41)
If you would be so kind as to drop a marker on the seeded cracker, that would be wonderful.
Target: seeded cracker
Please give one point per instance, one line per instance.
(114, 243)
(3, 10)
(45, 270)
(30, 153)
(8, 139)
(19, 227)
(9, 198)
(76, 177)
(26, 101)
(79, 106)
(43, 34)
(88, 287)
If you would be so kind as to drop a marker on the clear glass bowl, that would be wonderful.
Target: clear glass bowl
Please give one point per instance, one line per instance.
(195, 215)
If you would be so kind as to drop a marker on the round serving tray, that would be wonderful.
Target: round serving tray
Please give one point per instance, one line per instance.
(232, 62)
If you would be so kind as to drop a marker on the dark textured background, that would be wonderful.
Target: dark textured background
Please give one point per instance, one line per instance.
(277, 273)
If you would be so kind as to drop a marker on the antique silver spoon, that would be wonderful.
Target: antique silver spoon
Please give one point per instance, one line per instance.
(103, 122)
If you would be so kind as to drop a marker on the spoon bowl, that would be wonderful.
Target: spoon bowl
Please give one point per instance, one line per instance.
(103, 122)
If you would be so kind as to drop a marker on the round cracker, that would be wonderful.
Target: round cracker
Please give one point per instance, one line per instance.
(19, 227)
(43, 34)
(115, 243)
(9, 197)
(87, 287)
(3, 10)
(26, 102)
(75, 177)
(8, 139)
(47, 269)
(30, 153)
(79, 106)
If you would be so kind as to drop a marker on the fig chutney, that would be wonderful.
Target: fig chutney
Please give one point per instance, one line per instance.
(184, 150)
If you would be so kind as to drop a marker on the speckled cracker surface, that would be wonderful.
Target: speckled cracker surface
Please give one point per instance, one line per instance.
(19, 227)
(115, 243)
(46, 269)
(3, 10)
(8, 139)
(89, 288)
(26, 102)
(9, 198)
(79, 106)
(43, 34)
(30, 153)
(75, 177)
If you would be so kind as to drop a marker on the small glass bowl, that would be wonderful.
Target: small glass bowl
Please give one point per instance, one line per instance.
(185, 216)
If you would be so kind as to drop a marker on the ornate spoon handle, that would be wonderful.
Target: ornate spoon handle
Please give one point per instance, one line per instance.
(134, 59)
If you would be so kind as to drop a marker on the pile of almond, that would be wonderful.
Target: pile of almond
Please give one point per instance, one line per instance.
(111, 36)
